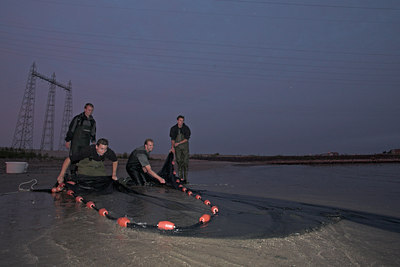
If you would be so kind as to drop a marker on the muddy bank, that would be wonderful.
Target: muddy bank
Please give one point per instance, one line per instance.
(296, 160)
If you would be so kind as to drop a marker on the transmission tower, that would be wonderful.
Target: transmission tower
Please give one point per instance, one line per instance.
(23, 135)
(48, 125)
(67, 115)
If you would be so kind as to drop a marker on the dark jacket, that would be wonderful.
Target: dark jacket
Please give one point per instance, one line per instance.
(78, 121)
(138, 158)
(173, 133)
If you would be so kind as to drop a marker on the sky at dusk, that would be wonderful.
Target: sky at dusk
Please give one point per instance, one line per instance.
(251, 77)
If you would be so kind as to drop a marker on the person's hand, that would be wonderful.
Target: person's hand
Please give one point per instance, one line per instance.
(177, 144)
(162, 181)
(68, 144)
(60, 179)
(114, 177)
(172, 150)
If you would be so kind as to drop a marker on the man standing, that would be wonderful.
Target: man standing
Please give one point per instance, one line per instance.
(82, 130)
(90, 161)
(180, 134)
(138, 165)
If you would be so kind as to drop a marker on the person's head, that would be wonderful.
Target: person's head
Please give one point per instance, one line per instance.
(149, 144)
(180, 120)
(101, 146)
(89, 109)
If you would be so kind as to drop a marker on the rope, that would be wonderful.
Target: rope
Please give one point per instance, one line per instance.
(31, 189)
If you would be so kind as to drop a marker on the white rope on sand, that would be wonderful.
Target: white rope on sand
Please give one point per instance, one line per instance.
(22, 189)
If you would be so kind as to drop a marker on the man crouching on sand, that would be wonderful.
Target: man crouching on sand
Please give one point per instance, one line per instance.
(138, 166)
(90, 161)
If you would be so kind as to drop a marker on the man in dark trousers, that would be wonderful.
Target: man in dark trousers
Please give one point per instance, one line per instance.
(81, 132)
(139, 168)
(180, 134)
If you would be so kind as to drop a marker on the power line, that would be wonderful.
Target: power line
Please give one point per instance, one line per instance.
(259, 66)
(226, 74)
(80, 4)
(222, 45)
(311, 5)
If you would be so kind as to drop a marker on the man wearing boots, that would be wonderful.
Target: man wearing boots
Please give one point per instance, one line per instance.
(180, 134)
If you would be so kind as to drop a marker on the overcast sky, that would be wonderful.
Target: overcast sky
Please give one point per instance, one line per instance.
(279, 77)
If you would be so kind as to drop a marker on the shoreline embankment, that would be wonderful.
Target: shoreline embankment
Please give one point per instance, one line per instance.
(311, 159)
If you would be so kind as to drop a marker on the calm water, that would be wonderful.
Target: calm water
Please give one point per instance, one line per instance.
(365, 187)
(255, 202)
(267, 201)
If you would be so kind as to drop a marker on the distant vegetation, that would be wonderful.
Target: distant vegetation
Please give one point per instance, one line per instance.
(123, 156)
(6, 152)
(306, 159)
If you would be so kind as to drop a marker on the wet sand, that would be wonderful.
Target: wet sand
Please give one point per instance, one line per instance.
(36, 230)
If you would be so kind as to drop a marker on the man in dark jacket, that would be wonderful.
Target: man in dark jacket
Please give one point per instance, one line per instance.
(139, 168)
(180, 134)
(82, 130)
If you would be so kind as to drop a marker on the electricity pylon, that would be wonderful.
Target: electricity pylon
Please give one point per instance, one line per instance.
(67, 115)
(23, 135)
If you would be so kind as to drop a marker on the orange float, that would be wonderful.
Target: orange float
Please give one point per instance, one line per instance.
(205, 218)
(214, 209)
(123, 221)
(90, 205)
(166, 225)
(103, 212)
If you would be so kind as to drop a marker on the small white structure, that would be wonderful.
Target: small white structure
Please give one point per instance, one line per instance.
(16, 167)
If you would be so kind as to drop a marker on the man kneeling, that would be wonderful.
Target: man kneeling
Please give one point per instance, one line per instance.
(139, 168)
(90, 164)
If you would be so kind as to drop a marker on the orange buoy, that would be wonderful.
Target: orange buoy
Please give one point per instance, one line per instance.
(189, 193)
(103, 212)
(166, 225)
(214, 209)
(70, 192)
(184, 189)
(71, 182)
(174, 172)
(178, 181)
(59, 188)
(180, 185)
(79, 199)
(207, 202)
(90, 205)
(205, 218)
(54, 190)
(173, 162)
(123, 221)
(198, 197)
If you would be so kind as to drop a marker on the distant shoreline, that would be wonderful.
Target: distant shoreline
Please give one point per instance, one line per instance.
(312, 159)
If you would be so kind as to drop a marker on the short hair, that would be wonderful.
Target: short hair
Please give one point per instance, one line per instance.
(180, 116)
(148, 140)
(102, 141)
(89, 104)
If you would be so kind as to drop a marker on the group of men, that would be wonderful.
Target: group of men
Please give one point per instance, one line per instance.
(86, 156)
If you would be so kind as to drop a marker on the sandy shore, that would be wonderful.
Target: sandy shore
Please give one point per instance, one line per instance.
(85, 239)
